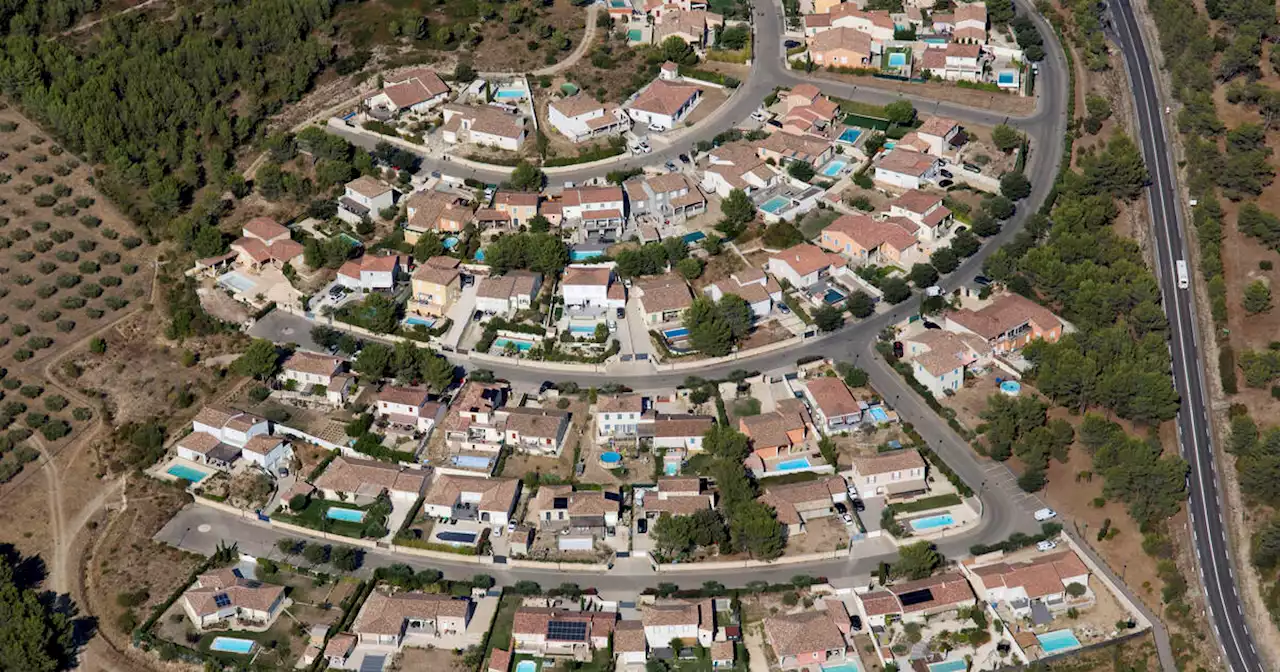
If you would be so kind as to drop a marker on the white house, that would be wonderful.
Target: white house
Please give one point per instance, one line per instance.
(663, 299)
(308, 369)
(887, 474)
(737, 165)
(939, 358)
(906, 169)
(418, 90)
(363, 480)
(938, 134)
(409, 407)
(803, 265)
(629, 645)
(1043, 579)
(964, 62)
(541, 631)
(686, 620)
(592, 286)
(266, 451)
(370, 273)
(507, 293)
(595, 210)
(759, 290)
(227, 595)
(676, 432)
(926, 211)
(364, 197)
(559, 506)
(471, 422)
(229, 425)
(875, 23)
(832, 405)
(581, 117)
(664, 104)
(539, 431)
(618, 416)
(487, 500)
(483, 125)
(264, 229)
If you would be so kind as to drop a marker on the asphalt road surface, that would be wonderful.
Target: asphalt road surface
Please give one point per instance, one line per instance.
(1213, 550)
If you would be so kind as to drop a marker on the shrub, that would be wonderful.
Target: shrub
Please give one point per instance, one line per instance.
(110, 233)
(94, 313)
(39, 342)
(46, 291)
(89, 267)
(62, 235)
(44, 200)
(19, 330)
(66, 326)
(86, 245)
(55, 430)
(90, 291)
(49, 315)
(72, 303)
(131, 242)
(108, 258)
(31, 391)
(55, 403)
(82, 414)
(117, 302)
(25, 256)
(109, 281)
(24, 304)
(40, 226)
(67, 256)
(129, 269)
(68, 280)
(90, 222)
(46, 267)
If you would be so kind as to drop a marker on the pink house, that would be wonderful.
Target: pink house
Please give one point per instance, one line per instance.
(807, 638)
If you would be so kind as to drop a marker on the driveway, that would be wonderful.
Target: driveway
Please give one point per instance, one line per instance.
(460, 313)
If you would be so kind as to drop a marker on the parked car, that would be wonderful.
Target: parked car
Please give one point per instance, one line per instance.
(671, 166)
(622, 313)
(1045, 514)
(848, 519)
(642, 526)
(858, 505)
(945, 183)
(981, 280)
(759, 115)
(930, 325)
(945, 173)
(656, 128)
(855, 622)
(684, 158)
(971, 168)
(841, 508)
(791, 44)
(1046, 545)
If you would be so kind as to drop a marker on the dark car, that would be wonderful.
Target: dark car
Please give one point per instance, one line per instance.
(897, 349)
(841, 508)
(791, 44)
(945, 173)
(684, 158)
(981, 280)
(642, 526)
(945, 183)
(930, 325)
(855, 622)
(622, 313)
(859, 506)
(971, 168)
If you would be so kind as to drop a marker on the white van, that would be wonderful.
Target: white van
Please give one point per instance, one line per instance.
(1045, 514)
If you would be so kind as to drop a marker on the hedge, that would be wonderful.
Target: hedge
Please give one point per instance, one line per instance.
(708, 76)
(925, 504)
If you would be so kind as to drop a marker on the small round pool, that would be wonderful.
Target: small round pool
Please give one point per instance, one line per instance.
(1011, 387)
(611, 458)
(450, 242)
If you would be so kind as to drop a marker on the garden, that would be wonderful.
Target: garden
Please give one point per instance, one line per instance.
(369, 520)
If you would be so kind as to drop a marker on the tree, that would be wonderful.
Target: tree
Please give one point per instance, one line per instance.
(269, 181)
(1076, 590)
(316, 553)
(539, 224)
(287, 545)
(895, 290)
(261, 360)
(527, 177)
(677, 51)
(1117, 171)
(1015, 186)
(298, 502)
(36, 635)
(1257, 297)
(801, 170)
(828, 318)
(754, 529)
(708, 332)
(726, 444)
(689, 268)
(900, 112)
(374, 361)
(874, 143)
(737, 208)
(860, 304)
(428, 245)
(98, 345)
(944, 259)
(917, 561)
(733, 38)
(781, 235)
(923, 275)
(1005, 138)
(346, 558)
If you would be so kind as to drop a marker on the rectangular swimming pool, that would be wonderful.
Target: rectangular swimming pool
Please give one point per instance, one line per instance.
(1005, 78)
(850, 135)
(832, 296)
(846, 666)
(583, 329)
(679, 332)
(775, 205)
(509, 94)
(427, 322)
(792, 465)
(1058, 640)
(471, 461)
(932, 522)
(232, 645)
(236, 281)
(833, 168)
(897, 59)
(694, 237)
(522, 346)
(185, 472)
(878, 414)
(583, 255)
(345, 515)
(635, 35)
(527, 666)
(671, 468)
(949, 666)
(457, 538)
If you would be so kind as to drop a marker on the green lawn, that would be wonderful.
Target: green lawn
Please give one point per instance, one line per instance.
(314, 517)
(935, 502)
(503, 623)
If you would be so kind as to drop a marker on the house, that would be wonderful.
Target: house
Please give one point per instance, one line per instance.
(796, 503)
(926, 211)
(963, 62)
(1018, 585)
(695, 27)
(557, 632)
(869, 241)
(889, 474)
(915, 601)
(227, 595)
(370, 273)
(938, 358)
(519, 206)
(208, 449)
(906, 169)
(752, 285)
(737, 165)
(664, 104)
(483, 125)
(264, 229)
(337, 650)
(309, 370)
(675, 432)
(266, 451)
(363, 198)
(410, 618)
(686, 620)
(435, 211)
(617, 416)
(803, 265)
(668, 196)
(938, 135)
(255, 253)
(408, 407)
(538, 431)
(831, 405)
(418, 90)
(783, 148)
(471, 421)
(723, 655)
(581, 117)
(663, 299)
(436, 286)
(805, 639)
(219, 435)
(362, 479)
(784, 431)
(840, 48)
(505, 294)
(877, 24)
(970, 22)
(592, 286)
(559, 506)
(629, 644)
(682, 496)
(1007, 323)
(596, 210)
(808, 111)
(484, 500)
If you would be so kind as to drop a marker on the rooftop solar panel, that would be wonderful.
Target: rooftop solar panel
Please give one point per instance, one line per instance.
(221, 600)
(567, 631)
(916, 597)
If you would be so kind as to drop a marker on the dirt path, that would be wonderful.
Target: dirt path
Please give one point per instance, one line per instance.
(127, 10)
(57, 574)
(588, 38)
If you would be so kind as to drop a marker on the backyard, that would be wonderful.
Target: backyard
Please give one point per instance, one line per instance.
(346, 519)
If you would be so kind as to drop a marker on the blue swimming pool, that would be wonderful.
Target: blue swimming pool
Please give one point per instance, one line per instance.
(611, 457)
(345, 515)
(671, 468)
(351, 240)
(878, 414)
(890, 144)
(509, 94)
(694, 237)
(479, 255)
(775, 205)
(522, 346)
(582, 329)
(949, 666)
(232, 645)
(583, 255)
(527, 666)
(846, 666)
(850, 135)
(932, 522)
(678, 332)
(792, 465)
(471, 461)
(897, 59)
(185, 472)
(635, 35)
(832, 169)
(450, 242)
(1011, 387)
(1005, 78)
(832, 296)
(1058, 640)
(236, 281)
(427, 322)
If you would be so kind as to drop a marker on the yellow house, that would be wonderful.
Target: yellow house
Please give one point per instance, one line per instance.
(436, 286)
(824, 6)
(520, 206)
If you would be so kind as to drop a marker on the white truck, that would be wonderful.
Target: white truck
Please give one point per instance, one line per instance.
(1184, 278)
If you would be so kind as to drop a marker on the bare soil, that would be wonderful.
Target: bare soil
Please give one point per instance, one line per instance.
(950, 93)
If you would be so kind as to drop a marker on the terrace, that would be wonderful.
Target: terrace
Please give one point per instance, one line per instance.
(786, 201)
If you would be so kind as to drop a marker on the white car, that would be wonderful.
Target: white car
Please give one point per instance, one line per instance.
(848, 519)
(635, 149)
(1046, 545)
(759, 115)
(1045, 514)
(656, 128)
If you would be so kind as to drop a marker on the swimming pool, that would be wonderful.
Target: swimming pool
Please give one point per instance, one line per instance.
(584, 255)
(351, 240)
(185, 472)
(694, 237)
(846, 666)
(345, 515)
(832, 296)
(479, 255)
(1011, 388)
(897, 59)
(775, 204)
(850, 135)
(236, 281)
(522, 346)
(618, 4)
(635, 35)
(932, 522)
(471, 461)
(232, 645)
(832, 169)
(678, 332)
(792, 465)
(509, 94)
(610, 457)
(527, 666)
(450, 242)
(671, 468)
(1005, 78)
(584, 329)
(456, 538)
(1058, 640)
(890, 144)
(427, 322)
(949, 666)
(878, 414)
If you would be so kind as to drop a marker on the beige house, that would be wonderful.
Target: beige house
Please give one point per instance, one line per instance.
(227, 595)
(895, 473)
(408, 618)
(436, 286)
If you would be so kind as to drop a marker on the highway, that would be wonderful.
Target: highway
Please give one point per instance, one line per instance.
(1212, 548)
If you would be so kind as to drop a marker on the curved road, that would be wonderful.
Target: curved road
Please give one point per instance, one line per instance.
(1204, 500)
